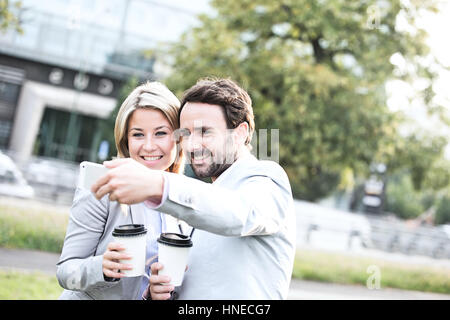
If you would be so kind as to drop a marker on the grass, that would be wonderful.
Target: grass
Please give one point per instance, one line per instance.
(348, 269)
(16, 285)
(39, 228)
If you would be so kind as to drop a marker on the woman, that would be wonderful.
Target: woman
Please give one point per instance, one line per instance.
(88, 267)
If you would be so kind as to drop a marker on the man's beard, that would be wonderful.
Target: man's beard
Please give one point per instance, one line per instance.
(218, 165)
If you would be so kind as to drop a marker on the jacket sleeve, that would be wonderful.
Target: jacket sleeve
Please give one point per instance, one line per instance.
(257, 207)
(79, 268)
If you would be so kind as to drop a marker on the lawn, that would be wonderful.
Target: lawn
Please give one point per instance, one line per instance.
(16, 285)
(350, 269)
(41, 228)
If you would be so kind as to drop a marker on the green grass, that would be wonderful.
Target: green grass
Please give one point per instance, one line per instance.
(350, 269)
(28, 286)
(29, 228)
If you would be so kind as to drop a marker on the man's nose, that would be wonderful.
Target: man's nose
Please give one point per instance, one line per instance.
(192, 142)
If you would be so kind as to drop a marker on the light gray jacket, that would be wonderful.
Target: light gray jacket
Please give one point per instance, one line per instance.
(244, 244)
(89, 232)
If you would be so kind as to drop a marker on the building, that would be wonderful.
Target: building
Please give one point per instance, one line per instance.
(63, 74)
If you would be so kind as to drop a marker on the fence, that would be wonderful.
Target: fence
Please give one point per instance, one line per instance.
(328, 228)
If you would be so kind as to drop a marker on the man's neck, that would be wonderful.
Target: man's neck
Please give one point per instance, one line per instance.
(242, 152)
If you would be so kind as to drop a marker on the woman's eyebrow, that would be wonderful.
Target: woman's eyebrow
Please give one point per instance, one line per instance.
(161, 127)
(157, 128)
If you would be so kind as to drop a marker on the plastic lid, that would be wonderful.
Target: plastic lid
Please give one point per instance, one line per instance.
(175, 240)
(128, 230)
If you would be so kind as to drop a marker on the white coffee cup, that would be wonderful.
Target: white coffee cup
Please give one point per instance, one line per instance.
(133, 238)
(173, 253)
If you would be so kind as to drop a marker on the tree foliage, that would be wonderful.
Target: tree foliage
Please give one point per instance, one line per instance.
(316, 70)
(8, 17)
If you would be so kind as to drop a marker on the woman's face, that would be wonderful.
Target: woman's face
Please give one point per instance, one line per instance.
(150, 139)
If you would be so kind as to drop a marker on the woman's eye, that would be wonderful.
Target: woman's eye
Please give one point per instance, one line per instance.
(160, 133)
(137, 134)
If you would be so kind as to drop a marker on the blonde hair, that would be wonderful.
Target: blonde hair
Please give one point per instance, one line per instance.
(150, 95)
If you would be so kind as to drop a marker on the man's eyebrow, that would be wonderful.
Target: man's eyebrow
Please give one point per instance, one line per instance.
(203, 127)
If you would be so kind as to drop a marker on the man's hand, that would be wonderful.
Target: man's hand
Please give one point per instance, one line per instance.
(160, 288)
(129, 182)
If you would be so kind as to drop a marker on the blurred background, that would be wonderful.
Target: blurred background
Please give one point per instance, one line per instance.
(359, 91)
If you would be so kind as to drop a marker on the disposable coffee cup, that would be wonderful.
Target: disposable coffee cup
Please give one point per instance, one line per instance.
(173, 252)
(133, 238)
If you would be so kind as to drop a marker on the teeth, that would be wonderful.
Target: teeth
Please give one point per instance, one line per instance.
(152, 158)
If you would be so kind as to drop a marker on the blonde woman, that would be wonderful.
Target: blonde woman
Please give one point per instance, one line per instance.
(88, 267)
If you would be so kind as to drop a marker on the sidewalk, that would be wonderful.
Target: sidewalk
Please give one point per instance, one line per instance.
(30, 260)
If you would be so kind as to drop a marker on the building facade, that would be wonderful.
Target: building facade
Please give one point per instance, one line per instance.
(63, 74)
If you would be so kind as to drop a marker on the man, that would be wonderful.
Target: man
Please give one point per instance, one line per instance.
(244, 242)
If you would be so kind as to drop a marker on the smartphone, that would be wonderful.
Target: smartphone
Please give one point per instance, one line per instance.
(90, 172)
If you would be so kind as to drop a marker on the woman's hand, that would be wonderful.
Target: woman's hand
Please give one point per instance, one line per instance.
(111, 264)
(160, 288)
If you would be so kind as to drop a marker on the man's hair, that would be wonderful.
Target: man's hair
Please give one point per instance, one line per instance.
(234, 100)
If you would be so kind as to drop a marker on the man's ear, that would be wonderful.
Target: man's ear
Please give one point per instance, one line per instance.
(241, 133)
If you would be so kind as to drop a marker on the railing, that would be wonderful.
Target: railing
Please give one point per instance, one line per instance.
(333, 229)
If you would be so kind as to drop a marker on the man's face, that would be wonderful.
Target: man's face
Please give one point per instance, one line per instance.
(207, 143)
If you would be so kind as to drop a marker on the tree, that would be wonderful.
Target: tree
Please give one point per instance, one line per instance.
(316, 70)
(8, 17)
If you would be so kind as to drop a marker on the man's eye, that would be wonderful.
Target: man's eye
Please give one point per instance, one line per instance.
(184, 133)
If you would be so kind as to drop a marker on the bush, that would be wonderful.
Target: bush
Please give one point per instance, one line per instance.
(443, 211)
(402, 199)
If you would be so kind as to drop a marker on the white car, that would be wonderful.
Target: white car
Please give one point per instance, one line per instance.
(12, 182)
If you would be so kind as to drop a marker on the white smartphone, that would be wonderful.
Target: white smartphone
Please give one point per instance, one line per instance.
(90, 172)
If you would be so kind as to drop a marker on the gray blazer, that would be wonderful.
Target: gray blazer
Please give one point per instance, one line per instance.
(244, 245)
(89, 232)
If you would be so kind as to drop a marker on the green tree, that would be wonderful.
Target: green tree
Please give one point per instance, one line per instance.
(316, 70)
(9, 15)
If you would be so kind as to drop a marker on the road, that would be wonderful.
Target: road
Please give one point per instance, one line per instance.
(30, 260)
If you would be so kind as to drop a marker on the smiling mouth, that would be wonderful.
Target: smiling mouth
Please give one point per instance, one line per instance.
(152, 158)
(198, 157)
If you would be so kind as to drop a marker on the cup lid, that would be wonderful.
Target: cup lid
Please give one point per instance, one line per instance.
(175, 239)
(127, 230)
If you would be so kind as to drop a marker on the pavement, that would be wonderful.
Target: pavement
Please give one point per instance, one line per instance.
(45, 262)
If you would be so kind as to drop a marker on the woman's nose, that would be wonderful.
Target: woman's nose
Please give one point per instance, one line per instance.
(149, 144)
